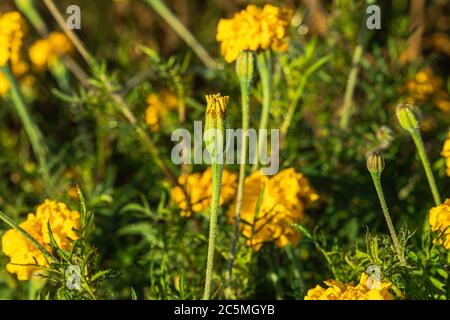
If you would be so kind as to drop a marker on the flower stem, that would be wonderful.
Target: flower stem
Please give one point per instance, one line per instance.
(214, 138)
(377, 182)
(264, 63)
(215, 201)
(347, 107)
(245, 101)
(418, 141)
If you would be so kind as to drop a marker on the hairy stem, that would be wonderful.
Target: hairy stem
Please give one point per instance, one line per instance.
(245, 101)
(387, 216)
(347, 107)
(215, 203)
(417, 137)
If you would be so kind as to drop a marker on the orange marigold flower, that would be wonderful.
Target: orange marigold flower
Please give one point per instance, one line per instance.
(25, 258)
(282, 200)
(367, 289)
(439, 219)
(254, 29)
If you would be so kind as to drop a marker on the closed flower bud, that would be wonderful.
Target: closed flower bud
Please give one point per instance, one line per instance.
(375, 163)
(216, 106)
(407, 117)
(245, 66)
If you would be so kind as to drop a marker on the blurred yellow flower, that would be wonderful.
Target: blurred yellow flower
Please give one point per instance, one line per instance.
(11, 35)
(199, 188)
(425, 87)
(43, 52)
(158, 106)
(368, 289)
(284, 198)
(4, 84)
(254, 29)
(439, 220)
(446, 153)
(24, 256)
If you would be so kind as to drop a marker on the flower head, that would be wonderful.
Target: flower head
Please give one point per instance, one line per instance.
(44, 52)
(367, 289)
(254, 29)
(25, 258)
(271, 205)
(407, 116)
(11, 35)
(198, 186)
(439, 219)
(216, 105)
(375, 163)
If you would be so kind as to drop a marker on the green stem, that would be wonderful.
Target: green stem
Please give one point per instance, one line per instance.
(379, 189)
(160, 7)
(14, 225)
(245, 100)
(350, 88)
(215, 202)
(347, 107)
(417, 137)
(289, 115)
(264, 62)
(28, 9)
(32, 130)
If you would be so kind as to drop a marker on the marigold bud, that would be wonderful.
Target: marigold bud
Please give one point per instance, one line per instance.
(216, 106)
(407, 117)
(375, 163)
(245, 65)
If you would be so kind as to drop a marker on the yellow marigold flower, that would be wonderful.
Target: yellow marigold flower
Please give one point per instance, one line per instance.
(446, 153)
(43, 52)
(367, 289)
(284, 199)
(4, 84)
(11, 35)
(439, 219)
(254, 29)
(23, 254)
(158, 107)
(199, 188)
